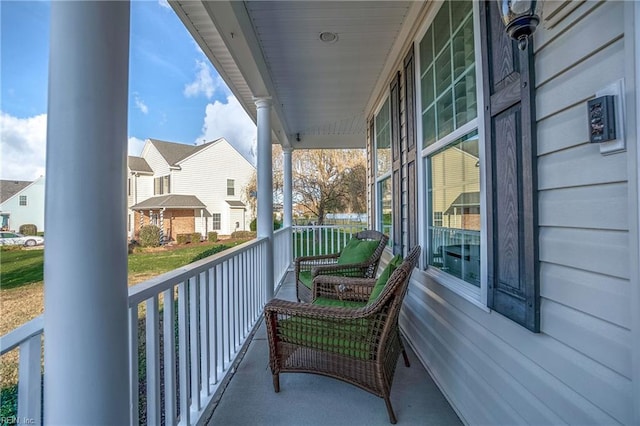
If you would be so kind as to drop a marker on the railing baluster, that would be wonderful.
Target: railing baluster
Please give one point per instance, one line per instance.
(203, 332)
(152, 346)
(213, 332)
(194, 344)
(169, 349)
(29, 380)
(134, 377)
(185, 414)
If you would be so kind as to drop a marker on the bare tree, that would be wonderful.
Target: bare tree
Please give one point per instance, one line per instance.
(324, 181)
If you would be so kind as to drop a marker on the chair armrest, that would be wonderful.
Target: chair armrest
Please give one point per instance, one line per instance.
(279, 307)
(307, 263)
(344, 269)
(343, 288)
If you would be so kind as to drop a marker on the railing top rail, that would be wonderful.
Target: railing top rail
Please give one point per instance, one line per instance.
(156, 285)
(16, 336)
(329, 226)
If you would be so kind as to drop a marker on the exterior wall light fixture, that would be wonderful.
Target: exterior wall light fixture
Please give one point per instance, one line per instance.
(520, 17)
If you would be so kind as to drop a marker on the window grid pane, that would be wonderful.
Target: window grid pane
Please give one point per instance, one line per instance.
(454, 201)
(383, 140)
(447, 72)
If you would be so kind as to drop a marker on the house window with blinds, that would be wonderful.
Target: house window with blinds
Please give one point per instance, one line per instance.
(382, 122)
(162, 185)
(450, 143)
(216, 219)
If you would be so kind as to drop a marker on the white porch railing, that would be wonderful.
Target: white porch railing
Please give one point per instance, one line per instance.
(282, 254)
(186, 328)
(317, 240)
(28, 340)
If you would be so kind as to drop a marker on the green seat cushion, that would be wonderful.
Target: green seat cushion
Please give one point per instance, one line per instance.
(344, 337)
(325, 301)
(357, 251)
(384, 277)
(306, 278)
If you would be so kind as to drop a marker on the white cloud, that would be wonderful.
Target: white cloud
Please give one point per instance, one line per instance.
(135, 146)
(140, 104)
(22, 146)
(229, 120)
(164, 3)
(204, 82)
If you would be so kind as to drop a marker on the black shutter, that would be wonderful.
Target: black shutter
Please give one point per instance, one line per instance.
(410, 148)
(372, 174)
(396, 165)
(510, 161)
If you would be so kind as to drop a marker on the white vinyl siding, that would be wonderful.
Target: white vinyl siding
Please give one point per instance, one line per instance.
(578, 369)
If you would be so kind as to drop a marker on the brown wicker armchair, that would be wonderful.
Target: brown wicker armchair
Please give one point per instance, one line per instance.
(358, 345)
(308, 267)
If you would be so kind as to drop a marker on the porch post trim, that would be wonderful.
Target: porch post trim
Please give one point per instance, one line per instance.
(265, 187)
(85, 320)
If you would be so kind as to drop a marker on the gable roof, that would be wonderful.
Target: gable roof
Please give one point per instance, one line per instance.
(138, 164)
(171, 201)
(174, 152)
(9, 188)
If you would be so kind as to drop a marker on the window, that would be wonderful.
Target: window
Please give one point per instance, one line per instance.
(162, 185)
(22, 200)
(478, 173)
(231, 188)
(215, 221)
(382, 123)
(454, 194)
(129, 186)
(447, 72)
(450, 142)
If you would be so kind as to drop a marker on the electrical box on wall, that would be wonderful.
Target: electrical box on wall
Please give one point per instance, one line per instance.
(605, 115)
(602, 119)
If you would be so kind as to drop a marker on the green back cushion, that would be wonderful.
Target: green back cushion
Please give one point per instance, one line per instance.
(325, 301)
(306, 278)
(384, 277)
(358, 251)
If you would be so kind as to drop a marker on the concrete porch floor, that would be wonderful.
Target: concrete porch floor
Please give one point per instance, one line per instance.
(307, 399)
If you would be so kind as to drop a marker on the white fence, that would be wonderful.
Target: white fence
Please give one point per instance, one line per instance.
(317, 240)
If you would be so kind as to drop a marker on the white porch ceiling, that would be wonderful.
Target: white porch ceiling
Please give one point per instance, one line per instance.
(320, 91)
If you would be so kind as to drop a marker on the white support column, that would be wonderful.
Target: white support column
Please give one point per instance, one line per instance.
(288, 188)
(85, 260)
(287, 205)
(265, 186)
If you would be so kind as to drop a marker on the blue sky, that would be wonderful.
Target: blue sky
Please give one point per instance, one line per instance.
(174, 92)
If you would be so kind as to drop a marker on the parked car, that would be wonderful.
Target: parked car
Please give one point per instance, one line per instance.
(14, 239)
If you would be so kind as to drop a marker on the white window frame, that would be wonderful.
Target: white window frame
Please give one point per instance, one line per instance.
(232, 187)
(468, 291)
(23, 201)
(213, 221)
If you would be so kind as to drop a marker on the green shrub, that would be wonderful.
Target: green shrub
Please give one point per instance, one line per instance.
(28, 229)
(209, 252)
(212, 237)
(253, 226)
(150, 236)
(243, 234)
(196, 237)
(183, 238)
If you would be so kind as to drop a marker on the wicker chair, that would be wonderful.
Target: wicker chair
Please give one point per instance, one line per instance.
(358, 345)
(328, 265)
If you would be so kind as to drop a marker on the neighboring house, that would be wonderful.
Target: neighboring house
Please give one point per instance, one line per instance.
(188, 188)
(21, 203)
